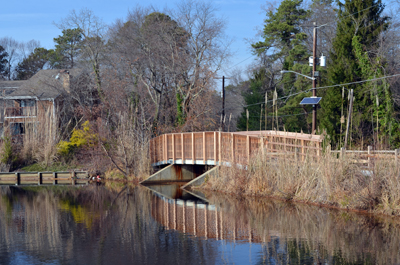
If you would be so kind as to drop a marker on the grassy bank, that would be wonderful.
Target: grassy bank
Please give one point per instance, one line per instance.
(328, 181)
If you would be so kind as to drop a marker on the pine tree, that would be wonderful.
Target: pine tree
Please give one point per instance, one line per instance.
(3, 61)
(284, 43)
(361, 18)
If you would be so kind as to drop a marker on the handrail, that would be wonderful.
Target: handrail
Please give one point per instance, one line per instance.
(212, 148)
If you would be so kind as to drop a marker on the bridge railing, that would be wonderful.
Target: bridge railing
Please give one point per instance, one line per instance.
(212, 148)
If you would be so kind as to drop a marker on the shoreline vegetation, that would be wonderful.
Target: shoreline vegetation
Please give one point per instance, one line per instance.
(326, 181)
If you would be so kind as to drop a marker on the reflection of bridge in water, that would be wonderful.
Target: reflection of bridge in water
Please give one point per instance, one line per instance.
(204, 220)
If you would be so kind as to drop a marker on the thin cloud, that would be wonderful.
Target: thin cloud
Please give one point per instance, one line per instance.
(21, 16)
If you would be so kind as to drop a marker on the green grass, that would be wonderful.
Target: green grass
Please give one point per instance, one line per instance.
(41, 168)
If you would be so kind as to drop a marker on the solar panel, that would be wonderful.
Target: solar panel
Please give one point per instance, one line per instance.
(310, 101)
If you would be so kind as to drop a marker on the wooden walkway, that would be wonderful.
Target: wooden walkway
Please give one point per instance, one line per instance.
(43, 178)
(215, 148)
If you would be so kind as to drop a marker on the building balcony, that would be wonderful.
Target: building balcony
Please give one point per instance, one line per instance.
(20, 112)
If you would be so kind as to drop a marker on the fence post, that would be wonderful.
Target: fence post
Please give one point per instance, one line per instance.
(215, 148)
(342, 152)
(40, 178)
(55, 182)
(204, 148)
(248, 149)
(233, 147)
(183, 148)
(369, 155)
(193, 150)
(73, 178)
(173, 149)
(165, 147)
(396, 154)
(220, 148)
(18, 178)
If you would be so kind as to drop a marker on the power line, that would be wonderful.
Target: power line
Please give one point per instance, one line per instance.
(280, 115)
(337, 19)
(240, 62)
(308, 90)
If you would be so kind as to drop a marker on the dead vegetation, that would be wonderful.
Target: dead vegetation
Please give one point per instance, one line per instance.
(326, 180)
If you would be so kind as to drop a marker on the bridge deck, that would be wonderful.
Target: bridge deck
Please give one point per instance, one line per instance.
(213, 148)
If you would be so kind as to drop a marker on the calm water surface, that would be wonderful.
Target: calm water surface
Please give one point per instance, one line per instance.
(164, 225)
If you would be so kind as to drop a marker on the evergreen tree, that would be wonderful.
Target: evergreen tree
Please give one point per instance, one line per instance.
(361, 19)
(67, 49)
(252, 97)
(35, 62)
(284, 44)
(3, 62)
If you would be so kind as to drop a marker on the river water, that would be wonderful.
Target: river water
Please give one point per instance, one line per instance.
(116, 224)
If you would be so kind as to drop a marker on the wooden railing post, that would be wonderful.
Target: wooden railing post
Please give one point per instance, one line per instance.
(204, 148)
(220, 148)
(73, 178)
(215, 148)
(342, 152)
(396, 156)
(40, 178)
(369, 148)
(17, 178)
(233, 147)
(55, 182)
(193, 150)
(165, 155)
(183, 148)
(248, 149)
(173, 148)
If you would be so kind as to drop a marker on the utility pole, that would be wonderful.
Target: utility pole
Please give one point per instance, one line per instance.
(314, 81)
(222, 126)
(223, 102)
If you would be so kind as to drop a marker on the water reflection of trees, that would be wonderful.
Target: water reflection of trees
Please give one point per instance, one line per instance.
(91, 225)
(301, 234)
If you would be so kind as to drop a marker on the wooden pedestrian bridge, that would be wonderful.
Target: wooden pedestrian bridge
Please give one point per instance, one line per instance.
(186, 156)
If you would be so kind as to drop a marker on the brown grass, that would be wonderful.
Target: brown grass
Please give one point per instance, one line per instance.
(327, 180)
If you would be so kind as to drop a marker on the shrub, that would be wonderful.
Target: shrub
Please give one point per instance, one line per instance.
(80, 138)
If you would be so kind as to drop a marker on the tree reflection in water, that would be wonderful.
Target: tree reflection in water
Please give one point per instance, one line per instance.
(121, 225)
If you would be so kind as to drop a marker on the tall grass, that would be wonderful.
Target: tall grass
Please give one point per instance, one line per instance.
(39, 140)
(325, 180)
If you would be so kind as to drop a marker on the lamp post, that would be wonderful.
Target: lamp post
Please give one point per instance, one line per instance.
(313, 78)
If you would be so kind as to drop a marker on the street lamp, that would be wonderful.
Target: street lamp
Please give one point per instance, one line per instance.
(314, 100)
(287, 71)
(314, 74)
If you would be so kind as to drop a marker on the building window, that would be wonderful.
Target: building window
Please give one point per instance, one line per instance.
(17, 128)
(27, 103)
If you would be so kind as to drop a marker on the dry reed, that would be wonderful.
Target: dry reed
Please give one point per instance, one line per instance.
(324, 180)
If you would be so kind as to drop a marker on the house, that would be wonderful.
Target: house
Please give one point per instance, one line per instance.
(27, 104)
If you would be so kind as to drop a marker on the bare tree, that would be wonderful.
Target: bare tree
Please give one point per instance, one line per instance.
(93, 30)
(207, 48)
(12, 47)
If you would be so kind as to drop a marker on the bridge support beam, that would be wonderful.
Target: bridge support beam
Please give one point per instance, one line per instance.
(176, 173)
(202, 178)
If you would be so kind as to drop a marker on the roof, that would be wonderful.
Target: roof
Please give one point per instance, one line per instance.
(10, 86)
(46, 84)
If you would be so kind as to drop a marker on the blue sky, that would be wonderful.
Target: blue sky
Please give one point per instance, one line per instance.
(25, 20)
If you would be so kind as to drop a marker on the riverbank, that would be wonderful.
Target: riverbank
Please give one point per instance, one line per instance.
(327, 181)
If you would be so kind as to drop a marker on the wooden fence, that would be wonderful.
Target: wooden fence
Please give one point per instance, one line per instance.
(367, 158)
(40, 178)
(213, 148)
